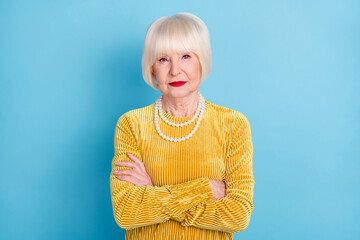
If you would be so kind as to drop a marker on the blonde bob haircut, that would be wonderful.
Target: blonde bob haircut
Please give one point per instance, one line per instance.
(182, 32)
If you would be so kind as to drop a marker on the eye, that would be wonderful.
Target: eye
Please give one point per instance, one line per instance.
(186, 56)
(162, 59)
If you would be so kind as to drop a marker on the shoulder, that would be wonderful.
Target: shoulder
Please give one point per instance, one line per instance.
(229, 115)
(237, 125)
(134, 116)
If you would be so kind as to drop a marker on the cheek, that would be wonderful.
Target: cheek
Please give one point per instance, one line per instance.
(155, 70)
(195, 70)
(159, 74)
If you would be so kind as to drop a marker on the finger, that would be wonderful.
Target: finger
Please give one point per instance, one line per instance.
(136, 160)
(123, 171)
(126, 178)
(126, 164)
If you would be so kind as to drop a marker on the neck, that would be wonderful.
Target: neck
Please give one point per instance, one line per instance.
(181, 107)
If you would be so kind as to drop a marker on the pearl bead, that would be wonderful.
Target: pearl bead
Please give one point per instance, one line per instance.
(201, 106)
(158, 111)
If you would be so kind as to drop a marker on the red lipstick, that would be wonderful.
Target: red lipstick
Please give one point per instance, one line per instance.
(177, 84)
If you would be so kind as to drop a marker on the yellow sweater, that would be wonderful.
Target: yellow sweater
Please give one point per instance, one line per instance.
(179, 205)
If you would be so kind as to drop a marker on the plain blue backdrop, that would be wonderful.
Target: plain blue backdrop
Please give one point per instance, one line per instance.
(70, 69)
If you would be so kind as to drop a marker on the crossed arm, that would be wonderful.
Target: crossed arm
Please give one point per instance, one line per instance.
(189, 203)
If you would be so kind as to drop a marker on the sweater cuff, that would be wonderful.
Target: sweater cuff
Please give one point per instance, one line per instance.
(186, 195)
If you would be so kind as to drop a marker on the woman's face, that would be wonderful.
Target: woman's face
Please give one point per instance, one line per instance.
(175, 67)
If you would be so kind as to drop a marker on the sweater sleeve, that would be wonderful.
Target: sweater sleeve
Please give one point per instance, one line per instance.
(136, 206)
(231, 213)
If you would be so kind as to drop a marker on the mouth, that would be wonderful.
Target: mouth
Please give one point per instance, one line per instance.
(177, 83)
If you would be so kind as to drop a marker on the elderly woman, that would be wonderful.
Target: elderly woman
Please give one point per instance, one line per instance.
(182, 167)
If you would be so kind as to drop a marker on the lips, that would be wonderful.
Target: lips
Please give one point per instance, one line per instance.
(177, 83)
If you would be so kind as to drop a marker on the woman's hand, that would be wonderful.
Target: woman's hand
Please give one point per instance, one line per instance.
(137, 175)
(218, 188)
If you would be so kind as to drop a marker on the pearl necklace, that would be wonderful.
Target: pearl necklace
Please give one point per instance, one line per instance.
(180, 124)
(158, 110)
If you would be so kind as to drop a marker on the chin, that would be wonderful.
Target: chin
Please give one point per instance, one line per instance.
(179, 94)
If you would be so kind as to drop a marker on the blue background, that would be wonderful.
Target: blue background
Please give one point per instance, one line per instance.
(70, 69)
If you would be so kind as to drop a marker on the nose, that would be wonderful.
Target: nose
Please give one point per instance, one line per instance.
(175, 68)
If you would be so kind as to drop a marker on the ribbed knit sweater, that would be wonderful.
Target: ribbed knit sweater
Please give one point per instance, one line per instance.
(179, 205)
